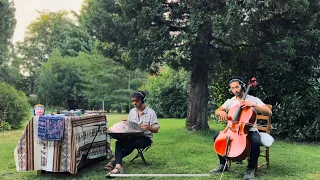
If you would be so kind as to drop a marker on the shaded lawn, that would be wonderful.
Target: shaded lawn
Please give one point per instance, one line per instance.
(176, 150)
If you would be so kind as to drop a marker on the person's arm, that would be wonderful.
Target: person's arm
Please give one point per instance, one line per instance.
(222, 113)
(146, 127)
(153, 129)
(154, 124)
(264, 109)
(260, 107)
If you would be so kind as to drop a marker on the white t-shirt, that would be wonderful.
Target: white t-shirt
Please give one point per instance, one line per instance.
(234, 101)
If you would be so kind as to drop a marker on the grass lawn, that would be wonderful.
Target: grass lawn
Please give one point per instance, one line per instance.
(176, 150)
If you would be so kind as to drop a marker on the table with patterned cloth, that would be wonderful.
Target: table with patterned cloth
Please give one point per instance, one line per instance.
(67, 154)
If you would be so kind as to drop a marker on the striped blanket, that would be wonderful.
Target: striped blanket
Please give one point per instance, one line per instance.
(33, 153)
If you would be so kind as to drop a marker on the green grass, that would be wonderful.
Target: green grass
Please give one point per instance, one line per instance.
(176, 150)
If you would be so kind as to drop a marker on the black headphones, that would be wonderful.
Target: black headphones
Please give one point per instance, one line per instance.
(236, 79)
(143, 96)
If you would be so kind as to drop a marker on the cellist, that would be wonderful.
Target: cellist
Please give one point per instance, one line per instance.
(237, 88)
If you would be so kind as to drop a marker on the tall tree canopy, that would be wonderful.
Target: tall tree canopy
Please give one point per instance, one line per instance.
(7, 25)
(52, 30)
(179, 33)
(9, 64)
(278, 41)
(90, 78)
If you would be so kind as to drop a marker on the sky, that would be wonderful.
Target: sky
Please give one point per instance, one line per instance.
(26, 12)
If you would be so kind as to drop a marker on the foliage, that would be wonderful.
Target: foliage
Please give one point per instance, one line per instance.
(10, 69)
(178, 33)
(105, 79)
(57, 80)
(90, 78)
(7, 25)
(278, 42)
(9, 62)
(297, 89)
(33, 100)
(218, 87)
(4, 126)
(14, 107)
(168, 93)
(50, 31)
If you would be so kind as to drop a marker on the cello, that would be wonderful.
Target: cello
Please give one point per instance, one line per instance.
(233, 142)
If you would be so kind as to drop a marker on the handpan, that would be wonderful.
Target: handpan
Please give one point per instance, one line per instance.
(124, 129)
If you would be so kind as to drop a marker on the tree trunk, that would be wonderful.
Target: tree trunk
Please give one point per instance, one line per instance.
(197, 118)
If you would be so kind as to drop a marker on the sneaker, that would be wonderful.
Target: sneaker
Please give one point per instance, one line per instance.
(249, 174)
(219, 169)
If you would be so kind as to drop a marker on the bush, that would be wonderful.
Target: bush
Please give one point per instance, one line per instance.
(168, 93)
(14, 107)
(4, 126)
(297, 117)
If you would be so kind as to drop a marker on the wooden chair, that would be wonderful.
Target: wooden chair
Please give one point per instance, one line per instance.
(263, 125)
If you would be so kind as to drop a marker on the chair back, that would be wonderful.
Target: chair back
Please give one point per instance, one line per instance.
(264, 122)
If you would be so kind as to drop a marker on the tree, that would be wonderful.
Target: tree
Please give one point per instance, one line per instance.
(274, 40)
(178, 33)
(9, 62)
(7, 25)
(90, 78)
(59, 80)
(280, 45)
(50, 31)
(108, 81)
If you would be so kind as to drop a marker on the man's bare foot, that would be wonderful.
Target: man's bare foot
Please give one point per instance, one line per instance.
(116, 170)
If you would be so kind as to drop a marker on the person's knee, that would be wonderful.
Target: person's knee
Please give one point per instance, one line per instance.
(255, 138)
(255, 141)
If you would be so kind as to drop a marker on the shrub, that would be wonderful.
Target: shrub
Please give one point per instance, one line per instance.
(297, 117)
(14, 107)
(168, 93)
(4, 126)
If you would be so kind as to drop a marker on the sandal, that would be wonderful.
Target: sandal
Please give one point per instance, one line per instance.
(119, 171)
(108, 167)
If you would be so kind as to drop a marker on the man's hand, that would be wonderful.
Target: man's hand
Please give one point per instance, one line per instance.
(223, 115)
(245, 104)
(145, 127)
